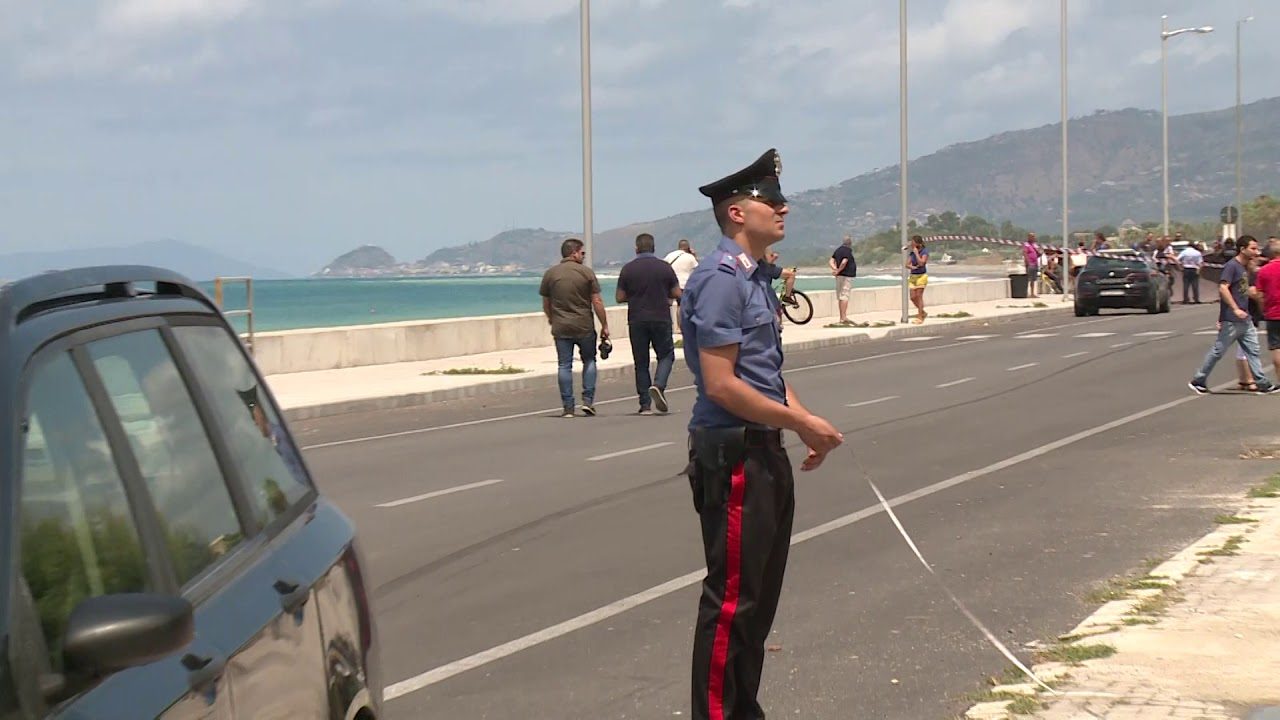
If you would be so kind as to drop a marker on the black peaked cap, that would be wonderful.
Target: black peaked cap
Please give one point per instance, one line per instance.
(759, 179)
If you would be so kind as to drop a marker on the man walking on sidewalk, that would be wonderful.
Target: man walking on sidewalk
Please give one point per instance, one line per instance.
(845, 268)
(570, 293)
(1234, 323)
(1191, 259)
(1031, 260)
(682, 260)
(1268, 284)
(648, 285)
(739, 472)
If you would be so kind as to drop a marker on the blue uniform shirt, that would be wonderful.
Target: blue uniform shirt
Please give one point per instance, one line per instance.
(729, 300)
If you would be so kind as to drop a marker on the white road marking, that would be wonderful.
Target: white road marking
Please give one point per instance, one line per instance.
(953, 383)
(437, 493)
(1036, 336)
(977, 337)
(872, 402)
(620, 453)
(1153, 333)
(922, 338)
(1206, 332)
(1095, 335)
(1121, 344)
(1075, 355)
(629, 398)
(1021, 367)
(444, 672)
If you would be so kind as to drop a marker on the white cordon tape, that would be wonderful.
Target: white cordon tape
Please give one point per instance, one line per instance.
(1016, 243)
(972, 619)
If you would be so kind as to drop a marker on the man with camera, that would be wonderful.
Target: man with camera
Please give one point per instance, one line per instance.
(647, 285)
(570, 292)
(740, 475)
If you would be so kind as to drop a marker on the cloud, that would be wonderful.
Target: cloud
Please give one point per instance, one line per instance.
(152, 16)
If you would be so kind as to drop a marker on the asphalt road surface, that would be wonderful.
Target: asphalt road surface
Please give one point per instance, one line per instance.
(529, 566)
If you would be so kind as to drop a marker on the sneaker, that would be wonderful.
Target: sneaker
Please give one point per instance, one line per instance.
(1268, 388)
(645, 411)
(659, 399)
(1198, 387)
(568, 412)
(589, 410)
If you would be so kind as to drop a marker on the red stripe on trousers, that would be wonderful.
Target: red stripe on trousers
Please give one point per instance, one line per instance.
(729, 606)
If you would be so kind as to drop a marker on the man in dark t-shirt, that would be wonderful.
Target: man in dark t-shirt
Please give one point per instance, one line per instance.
(1234, 323)
(647, 285)
(845, 268)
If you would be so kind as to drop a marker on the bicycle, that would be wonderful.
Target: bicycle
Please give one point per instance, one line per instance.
(797, 307)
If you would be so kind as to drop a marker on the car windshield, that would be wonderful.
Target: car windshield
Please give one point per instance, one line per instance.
(1098, 263)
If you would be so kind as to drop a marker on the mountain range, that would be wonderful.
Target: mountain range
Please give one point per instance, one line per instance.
(1115, 174)
(195, 262)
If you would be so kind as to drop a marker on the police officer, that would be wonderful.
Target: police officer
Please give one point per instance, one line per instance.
(738, 470)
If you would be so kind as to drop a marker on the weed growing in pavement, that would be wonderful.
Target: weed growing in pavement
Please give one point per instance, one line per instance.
(1039, 305)
(680, 343)
(954, 315)
(502, 369)
(1270, 488)
(1024, 705)
(1153, 606)
(1076, 654)
(1131, 621)
(1230, 547)
(1233, 520)
(1118, 588)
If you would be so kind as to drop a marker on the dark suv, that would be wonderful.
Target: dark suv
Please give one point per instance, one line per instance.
(164, 552)
(1121, 280)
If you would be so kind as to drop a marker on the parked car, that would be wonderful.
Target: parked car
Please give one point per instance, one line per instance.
(165, 553)
(1121, 279)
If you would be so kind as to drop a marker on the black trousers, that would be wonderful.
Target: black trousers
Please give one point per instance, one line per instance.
(744, 493)
(1190, 284)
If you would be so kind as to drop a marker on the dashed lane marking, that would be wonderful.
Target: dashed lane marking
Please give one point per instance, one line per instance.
(438, 493)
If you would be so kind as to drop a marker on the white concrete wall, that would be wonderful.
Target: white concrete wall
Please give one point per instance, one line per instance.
(354, 346)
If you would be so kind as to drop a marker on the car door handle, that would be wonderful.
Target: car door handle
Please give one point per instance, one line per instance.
(202, 671)
(293, 595)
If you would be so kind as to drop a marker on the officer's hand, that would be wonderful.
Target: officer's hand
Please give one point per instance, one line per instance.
(812, 462)
(820, 436)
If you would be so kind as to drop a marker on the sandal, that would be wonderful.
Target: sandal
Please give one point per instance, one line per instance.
(1251, 387)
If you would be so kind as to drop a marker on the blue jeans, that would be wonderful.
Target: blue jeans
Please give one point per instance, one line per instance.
(1242, 332)
(564, 359)
(658, 334)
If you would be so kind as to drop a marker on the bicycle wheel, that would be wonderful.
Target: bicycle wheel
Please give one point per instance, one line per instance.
(802, 311)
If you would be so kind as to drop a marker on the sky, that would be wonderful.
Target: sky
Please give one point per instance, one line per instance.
(286, 132)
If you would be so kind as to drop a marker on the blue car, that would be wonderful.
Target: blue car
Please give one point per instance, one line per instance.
(164, 552)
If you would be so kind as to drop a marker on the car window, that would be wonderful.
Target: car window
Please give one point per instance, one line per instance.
(268, 460)
(78, 536)
(1107, 264)
(177, 462)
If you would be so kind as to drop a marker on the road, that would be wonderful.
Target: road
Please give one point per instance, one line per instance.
(529, 566)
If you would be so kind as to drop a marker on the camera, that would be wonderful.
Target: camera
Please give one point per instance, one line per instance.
(606, 347)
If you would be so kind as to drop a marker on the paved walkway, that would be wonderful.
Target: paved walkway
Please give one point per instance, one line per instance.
(380, 387)
(1197, 638)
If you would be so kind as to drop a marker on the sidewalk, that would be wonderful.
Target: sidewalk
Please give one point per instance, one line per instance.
(320, 393)
(1195, 638)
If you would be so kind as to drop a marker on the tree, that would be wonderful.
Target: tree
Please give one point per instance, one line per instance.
(1261, 216)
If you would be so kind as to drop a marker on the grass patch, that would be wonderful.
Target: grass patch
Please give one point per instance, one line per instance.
(954, 315)
(1024, 705)
(680, 343)
(502, 369)
(1152, 606)
(1076, 654)
(1229, 548)
(1131, 621)
(1270, 488)
(1039, 305)
(1233, 520)
(1105, 594)
(1118, 589)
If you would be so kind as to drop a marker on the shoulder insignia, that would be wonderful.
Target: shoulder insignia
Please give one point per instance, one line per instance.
(746, 262)
(727, 264)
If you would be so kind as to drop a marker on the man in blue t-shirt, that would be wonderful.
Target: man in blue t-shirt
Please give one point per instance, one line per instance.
(647, 285)
(845, 268)
(1234, 324)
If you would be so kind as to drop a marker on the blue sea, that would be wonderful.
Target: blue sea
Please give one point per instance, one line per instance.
(295, 304)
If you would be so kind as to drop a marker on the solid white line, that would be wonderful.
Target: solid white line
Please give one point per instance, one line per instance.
(872, 402)
(629, 398)
(1120, 345)
(977, 337)
(444, 672)
(1035, 336)
(953, 383)
(1075, 355)
(1153, 333)
(1021, 367)
(437, 493)
(1095, 335)
(620, 453)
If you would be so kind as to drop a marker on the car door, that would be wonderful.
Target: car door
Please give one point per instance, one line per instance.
(86, 529)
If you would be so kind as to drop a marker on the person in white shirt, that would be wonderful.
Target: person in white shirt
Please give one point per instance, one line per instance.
(683, 260)
(1190, 259)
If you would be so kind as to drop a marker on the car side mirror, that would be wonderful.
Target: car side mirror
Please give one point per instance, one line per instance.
(110, 633)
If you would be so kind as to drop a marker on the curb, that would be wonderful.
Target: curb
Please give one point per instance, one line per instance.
(625, 368)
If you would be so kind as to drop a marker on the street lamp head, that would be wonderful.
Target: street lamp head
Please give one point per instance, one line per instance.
(1205, 29)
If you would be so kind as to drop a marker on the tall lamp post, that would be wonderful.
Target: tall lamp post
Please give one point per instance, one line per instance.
(902, 144)
(1165, 34)
(1064, 263)
(1239, 132)
(585, 10)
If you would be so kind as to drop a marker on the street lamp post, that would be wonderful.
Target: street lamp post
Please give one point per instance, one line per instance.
(585, 9)
(1165, 34)
(1239, 132)
(902, 145)
(1064, 263)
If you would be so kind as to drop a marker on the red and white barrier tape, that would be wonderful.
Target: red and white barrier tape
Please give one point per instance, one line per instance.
(1018, 243)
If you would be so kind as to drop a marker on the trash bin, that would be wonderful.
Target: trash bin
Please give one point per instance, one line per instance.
(1018, 285)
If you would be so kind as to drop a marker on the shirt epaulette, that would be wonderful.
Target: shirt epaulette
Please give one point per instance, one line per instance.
(728, 264)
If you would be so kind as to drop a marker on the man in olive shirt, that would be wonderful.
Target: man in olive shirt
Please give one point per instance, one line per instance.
(570, 292)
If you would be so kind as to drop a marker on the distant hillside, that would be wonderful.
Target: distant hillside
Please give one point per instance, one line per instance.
(195, 262)
(365, 257)
(1014, 176)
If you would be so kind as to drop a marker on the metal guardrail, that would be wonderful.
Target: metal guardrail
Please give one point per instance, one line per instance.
(247, 312)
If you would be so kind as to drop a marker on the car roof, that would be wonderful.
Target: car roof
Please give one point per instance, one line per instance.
(37, 310)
